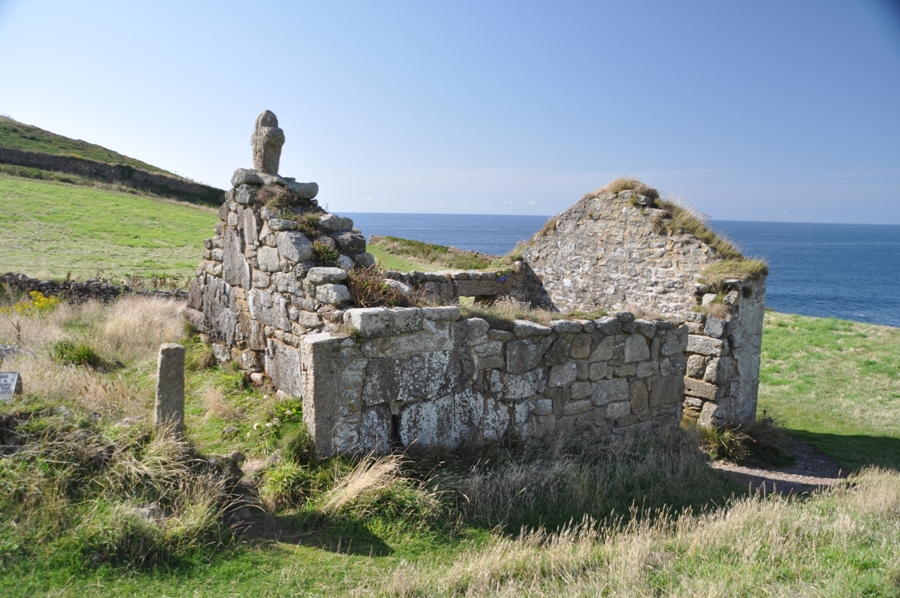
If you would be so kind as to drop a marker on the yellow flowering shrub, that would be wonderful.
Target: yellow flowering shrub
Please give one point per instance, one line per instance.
(37, 304)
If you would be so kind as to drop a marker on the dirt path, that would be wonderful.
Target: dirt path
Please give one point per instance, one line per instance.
(813, 470)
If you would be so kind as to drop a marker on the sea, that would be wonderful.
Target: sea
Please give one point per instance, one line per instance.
(846, 271)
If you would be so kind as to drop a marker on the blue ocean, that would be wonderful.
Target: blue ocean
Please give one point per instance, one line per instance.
(847, 271)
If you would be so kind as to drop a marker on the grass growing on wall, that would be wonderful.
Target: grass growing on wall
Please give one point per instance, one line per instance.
(50, 229)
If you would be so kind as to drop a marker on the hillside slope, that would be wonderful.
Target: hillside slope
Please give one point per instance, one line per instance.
(50, 229)
(31, 152)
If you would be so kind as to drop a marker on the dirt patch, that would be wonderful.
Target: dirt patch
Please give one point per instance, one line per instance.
(813, 470)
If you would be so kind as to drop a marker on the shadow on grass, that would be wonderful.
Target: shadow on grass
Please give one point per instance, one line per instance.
(342, 534)
(854, 452)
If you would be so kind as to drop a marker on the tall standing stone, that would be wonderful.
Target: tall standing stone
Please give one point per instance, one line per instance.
(267, 140)
(170, 388)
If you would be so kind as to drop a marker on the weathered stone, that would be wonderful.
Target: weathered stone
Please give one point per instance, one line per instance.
(267, 140)
(696, 366)
(424, 376)
(597, 371)
(374, 322)
(448, 313)
(636, 349)
(715, 327)
(326, 275)
(565, 326)
(517, 386)
(638, 396)
(603, 351)
(608, 325)
(646, 369)
(581, 347)
(364, 260)
(350, 242)
(618, 410)
(698, 388)
(294, 246)
(525, 328)
(169, 410)
(470, 331)
(718, 370)
(375, 429)
(279, 224)
(442, 423)
(562, 374)
(543, 407)
(705, 345)
(581, 389)
(332, 223)
(333, 294)
(268, 259)
(646, 328)
(667, 390)
(269, 307)
(522, 355)
(610, 391)
(344, 262)
(235, 269)
(558, 352)
(576, 408)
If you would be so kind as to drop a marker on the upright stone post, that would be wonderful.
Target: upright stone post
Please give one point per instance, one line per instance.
(170, 388)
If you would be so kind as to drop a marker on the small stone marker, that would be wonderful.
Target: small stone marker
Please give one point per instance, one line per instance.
(10, 384)
(170, 388)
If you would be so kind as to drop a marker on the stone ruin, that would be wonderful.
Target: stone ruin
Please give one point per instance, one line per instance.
(271, 294)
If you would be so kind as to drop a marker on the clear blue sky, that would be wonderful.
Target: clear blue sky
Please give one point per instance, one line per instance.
(764, 110)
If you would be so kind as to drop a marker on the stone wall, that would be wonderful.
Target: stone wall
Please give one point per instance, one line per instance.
(608, 251)
(156, 183)
(427, 378)
(78, 292)
(260, 278)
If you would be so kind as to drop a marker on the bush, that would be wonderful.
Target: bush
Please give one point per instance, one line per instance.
(69, 353)
(324, 255)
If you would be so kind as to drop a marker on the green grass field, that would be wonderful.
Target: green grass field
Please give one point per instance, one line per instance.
(27, 137)
(834, 384)
(50, 229)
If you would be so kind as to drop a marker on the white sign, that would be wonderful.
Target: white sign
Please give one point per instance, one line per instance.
(10, 384)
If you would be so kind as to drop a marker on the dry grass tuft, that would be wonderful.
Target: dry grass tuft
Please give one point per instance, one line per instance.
(137, 326)
(549, 227)
(370, 476)
(217, 406)
(625, 184)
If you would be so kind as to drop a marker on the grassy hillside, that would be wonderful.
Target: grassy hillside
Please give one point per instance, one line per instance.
(94, 505)
(27, 137)
(49, 229)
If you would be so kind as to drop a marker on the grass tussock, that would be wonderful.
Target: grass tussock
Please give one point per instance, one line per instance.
(760, 443)
(430, 253)
(625, 184)
(370, 289)
(73, 494)
(717, 273)
(504, 311)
